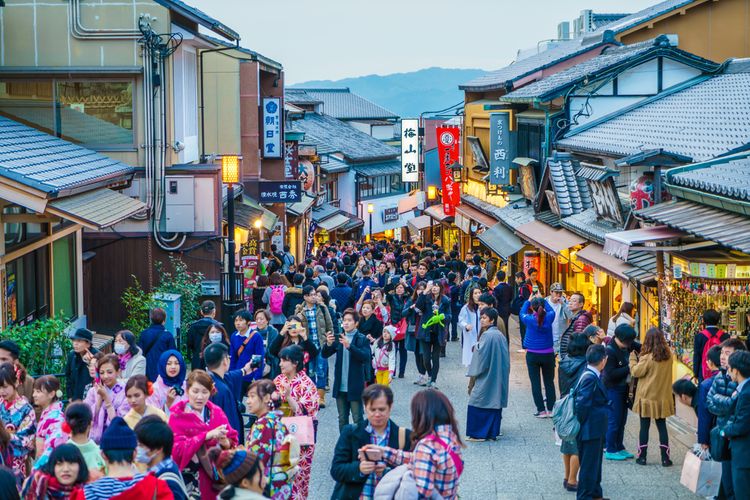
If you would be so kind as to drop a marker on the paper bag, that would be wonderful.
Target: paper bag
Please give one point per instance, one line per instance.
(702, 477)
(302, 428)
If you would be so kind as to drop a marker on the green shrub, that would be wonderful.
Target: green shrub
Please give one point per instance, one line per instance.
(44, 345)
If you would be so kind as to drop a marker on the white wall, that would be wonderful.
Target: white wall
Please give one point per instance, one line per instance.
(383, 132)
(380, 204)
(599, 106)
(346, 192)
(674, 73)
(641, 80)
(362, 127)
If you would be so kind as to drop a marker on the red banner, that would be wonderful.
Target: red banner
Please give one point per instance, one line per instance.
(448, 152)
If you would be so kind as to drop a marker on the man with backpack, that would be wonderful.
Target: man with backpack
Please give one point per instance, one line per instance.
(293, 296)
(710, 336)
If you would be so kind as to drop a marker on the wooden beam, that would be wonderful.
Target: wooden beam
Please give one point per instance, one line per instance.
(29, 218)
(20, 252)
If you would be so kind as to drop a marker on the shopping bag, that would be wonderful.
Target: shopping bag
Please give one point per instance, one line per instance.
(702, 477)
(401, 327)
(302, 428)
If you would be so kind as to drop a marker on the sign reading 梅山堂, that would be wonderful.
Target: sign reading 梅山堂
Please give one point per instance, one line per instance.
(279, 192)
(390, 214)
(409, 150)
(272, 127)
(501, 148)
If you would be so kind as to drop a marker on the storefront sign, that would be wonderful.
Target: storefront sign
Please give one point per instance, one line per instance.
(606, 200)
(310, 238)
(277, 238)
(249, 266)
(480, 160)
(448, 154)
(279, 192)
(272, 127)
(501, 148)
(552, 199)
(291, 160)
(250, 247)
(390, 215)
(409, 150)
(527, 181)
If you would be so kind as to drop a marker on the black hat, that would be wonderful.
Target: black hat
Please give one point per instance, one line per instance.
(118, 436)
(83, 334)
(11, 347)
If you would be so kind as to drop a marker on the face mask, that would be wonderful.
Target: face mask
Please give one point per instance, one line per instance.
(214, 337)
(120, 349)
(141, 455)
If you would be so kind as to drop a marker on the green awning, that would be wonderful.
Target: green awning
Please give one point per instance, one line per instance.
(501, 240)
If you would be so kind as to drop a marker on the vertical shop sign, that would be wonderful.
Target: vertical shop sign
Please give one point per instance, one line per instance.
(250, 264)
(291, 160)
(272, 127)
(409, 150)
(310, 238)
(501, 148)
(448, 154)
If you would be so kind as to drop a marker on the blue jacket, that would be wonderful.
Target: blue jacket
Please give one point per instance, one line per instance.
(342, 294)
(228, 396)
(591, 406)
(254, 346)
(705, 419)
(153, 341)
(738, 432)
(538, 338)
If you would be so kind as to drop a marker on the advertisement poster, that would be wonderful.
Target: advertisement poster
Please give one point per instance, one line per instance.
(250, 264)
(448, 154)
(291, 160)
(310, 238)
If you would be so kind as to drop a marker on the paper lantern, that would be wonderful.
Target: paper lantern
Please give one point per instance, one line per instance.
(600, 278)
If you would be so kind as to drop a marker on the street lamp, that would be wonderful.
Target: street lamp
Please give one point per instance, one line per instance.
(230, 175)
(431, 193)
(370, 210)
(456, 169)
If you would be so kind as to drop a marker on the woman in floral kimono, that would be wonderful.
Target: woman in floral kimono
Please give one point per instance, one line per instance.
(106, 397)
(49, 433)
(270, 439)
(300, 399)
(17, 416)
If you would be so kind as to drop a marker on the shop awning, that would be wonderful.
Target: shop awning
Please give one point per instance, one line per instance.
(96, 209)
(618, 243)
(418, 223)
(302, 206)
(501, 240)
(475, 215)
(548, 238)
(352, 223)
(436, 212)
(333, 223)
(247, 211)
(594, 255)
(411, 202)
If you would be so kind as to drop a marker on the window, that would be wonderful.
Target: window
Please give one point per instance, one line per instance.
(27, 288)
(21, 233)
(530, 137)
(94, 113)
(381, 185)
(64, 271)
(186, 103)
(329, 191)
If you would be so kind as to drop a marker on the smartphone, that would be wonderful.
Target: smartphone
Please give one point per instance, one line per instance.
(292, 326)
(373, 454)
(535, 288)
(256, 360)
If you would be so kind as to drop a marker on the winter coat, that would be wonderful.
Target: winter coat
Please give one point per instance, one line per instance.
(276, 319)
(424, 307)
(653, 394)
(136, 365)
(412, 318)
(154, 341)
(292, 298)
(538, 338)
(570, 370)
(624, 319)
(77, 375)
(397, 307)
(721, 397)
(195, 341)
(323, 321)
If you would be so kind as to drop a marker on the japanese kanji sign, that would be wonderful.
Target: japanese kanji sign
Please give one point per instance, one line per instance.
(279, 192)
(448, 154)
(291, 159)
(310, 238)
(409, 150)
(502, 150)
(272, 127)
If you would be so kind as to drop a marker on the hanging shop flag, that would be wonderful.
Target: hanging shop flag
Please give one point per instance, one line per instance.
(501, 148)
(272, 127)
(291, 160)
(448, 154)
(310, 238)
(409, 150)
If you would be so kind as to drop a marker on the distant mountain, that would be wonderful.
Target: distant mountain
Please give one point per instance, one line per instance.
(407, 94)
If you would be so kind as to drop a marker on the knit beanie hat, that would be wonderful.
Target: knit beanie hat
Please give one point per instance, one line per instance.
(235, 464)
(118, 436)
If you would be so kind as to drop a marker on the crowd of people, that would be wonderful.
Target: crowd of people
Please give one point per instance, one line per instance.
(237, 416)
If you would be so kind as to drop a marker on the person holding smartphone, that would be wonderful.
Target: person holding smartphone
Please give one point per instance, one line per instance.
(295, 333)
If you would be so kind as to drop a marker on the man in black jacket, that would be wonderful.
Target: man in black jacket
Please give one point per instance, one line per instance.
(737, 429)
(196, 332)
(615, 379)
(503, 293)
(351, 469)
(293, 296)
(77, 368)
(591, 409)
(352, 351)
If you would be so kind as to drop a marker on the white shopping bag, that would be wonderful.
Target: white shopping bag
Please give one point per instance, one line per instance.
(702, 477)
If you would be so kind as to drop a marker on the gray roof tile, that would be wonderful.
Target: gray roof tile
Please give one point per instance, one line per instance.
(512, 215)
(640, 17)
(708, 118)
(588, 225)
(730, 179)
(571, 191)
(52, 165)
(334, 136)
(345, 105)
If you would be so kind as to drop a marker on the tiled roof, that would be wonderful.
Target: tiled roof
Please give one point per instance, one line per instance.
(299, 96)
(332, 165)
(610, 60)
(501, 78)
(589, 226)
(200, 17)
(730, 179)
(332, 135)
(52, 165)
(345, 105)
(705, 118)
(512, 215)
(391, 167)
(571, 191)
(640, 17)
(323, 211)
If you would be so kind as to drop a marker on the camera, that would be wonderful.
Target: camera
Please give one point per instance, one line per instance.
(178, 390)
(256, 360)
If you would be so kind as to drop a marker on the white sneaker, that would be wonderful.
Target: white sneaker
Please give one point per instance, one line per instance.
(521, 351)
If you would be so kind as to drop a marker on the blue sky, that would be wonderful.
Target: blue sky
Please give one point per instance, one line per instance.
(333, 39)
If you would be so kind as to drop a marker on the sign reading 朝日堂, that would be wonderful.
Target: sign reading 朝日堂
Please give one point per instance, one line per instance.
(409, 150)
(448, 153)
(272, 127)
(279, 192)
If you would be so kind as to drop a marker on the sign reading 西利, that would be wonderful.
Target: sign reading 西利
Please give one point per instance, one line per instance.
(272, 127)
(409, 150)
(291, 159)
(448, 139)
(279, 192)
(501, 148)
(390, 214)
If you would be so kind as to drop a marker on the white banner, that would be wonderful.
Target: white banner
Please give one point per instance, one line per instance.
(410, 150)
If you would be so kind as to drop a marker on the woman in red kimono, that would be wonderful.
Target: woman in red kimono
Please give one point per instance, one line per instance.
(300, 399)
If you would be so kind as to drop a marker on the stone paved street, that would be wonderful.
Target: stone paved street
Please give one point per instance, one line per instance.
(524, 463)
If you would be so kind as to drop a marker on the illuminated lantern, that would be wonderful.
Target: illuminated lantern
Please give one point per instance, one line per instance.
(642, 192)
(600, 278)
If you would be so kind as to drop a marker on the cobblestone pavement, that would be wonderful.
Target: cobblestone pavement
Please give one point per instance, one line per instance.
(524, 463)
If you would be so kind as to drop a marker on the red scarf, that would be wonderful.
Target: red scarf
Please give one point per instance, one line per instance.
(43, 484)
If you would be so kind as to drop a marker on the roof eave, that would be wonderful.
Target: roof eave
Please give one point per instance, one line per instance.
(207, 21)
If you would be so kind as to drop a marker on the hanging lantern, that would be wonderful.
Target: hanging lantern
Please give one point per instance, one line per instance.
(600, 278)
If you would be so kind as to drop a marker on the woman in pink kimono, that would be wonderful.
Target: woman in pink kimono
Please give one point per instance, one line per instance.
(17, 419)
(106, 397)
(199, 425)
(301, 399)
(169, 387)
